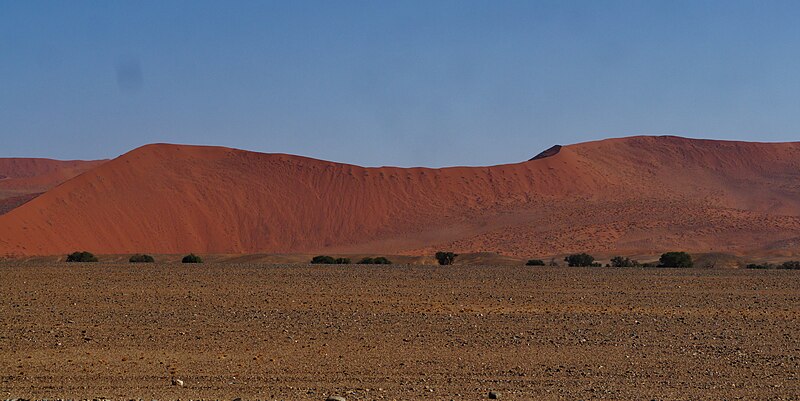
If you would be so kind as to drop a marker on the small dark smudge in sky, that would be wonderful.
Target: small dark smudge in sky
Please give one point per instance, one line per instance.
(129, 75)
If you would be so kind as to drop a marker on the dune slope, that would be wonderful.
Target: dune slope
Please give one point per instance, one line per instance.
(22, 179)
(638, 194)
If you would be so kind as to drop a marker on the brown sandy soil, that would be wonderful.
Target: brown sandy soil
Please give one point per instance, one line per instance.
(397, 332)
(638, 195)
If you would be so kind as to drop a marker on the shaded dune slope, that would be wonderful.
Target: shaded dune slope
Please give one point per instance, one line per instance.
(635, 194)
(22, 179)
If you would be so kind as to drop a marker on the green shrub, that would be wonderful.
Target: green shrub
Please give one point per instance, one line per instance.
(579, 260)
(192, 258)
(329, 260)
(446, 258)
(323, 260)
(788, 265)
(675, 259)
(380, 260)
(619, 261)
(141, 258)
(81, 257)
(535, 262)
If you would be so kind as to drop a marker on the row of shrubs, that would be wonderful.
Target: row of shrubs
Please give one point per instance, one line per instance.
(788, 265)
(669, 259)
(87, 257)
(329, 260)
(443, 258)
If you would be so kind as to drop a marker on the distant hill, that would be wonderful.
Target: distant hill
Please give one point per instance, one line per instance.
(631, 195)
(22, 179)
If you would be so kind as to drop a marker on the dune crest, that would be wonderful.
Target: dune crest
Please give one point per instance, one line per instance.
(637, 194)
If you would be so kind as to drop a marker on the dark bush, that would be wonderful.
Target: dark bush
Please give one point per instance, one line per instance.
(81, 257)
(323, 260)
(329, 260)
(788, 265)
(380, 260)
(141, 258)
(192, 258)
(619, 261)
(675, 259)
(446, 258)
(535, 262)
(579, 260)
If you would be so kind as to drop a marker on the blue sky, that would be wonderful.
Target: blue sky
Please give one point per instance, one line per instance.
(406, 83)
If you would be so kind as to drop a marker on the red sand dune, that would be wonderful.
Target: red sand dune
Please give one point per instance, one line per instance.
(23, 179)
(629, 195)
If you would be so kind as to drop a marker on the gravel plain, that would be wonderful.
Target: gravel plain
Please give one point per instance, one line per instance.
(295, 332)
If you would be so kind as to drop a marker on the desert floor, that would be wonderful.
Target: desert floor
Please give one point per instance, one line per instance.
(397, 332)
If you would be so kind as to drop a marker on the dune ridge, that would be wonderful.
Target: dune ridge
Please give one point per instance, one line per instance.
(633, 195)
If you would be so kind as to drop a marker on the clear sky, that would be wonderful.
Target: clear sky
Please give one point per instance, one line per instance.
(406, 83)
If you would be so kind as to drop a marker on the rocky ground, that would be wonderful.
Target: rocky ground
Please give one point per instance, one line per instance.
(222, 331)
